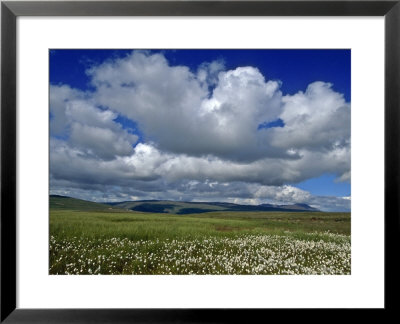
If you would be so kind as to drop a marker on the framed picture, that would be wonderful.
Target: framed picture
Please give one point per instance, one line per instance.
(184, 143)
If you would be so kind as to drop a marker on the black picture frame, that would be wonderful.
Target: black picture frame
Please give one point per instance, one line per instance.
(10, 10)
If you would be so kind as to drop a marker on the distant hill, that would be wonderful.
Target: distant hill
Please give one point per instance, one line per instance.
(299, 207)
(166, 206)
(177, 207)
(63, 202)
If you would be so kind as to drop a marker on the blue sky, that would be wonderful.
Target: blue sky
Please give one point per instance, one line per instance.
(325, 185)
(103, 83)
(296, 68)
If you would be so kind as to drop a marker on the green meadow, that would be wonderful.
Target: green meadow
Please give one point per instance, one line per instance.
(91, 238)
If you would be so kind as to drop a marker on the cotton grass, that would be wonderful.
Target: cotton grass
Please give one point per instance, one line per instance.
(311, 254)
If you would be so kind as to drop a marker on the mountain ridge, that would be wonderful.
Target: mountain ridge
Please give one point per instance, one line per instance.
(184, 207)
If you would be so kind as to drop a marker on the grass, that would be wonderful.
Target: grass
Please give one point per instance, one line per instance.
(99, 240)
(136, 226)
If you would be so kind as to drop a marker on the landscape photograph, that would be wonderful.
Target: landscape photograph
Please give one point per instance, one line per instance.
(199, 162)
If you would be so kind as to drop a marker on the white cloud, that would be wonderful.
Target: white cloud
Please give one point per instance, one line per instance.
(318, 119)
(174, 109)
(88, 128)
(345, 177)
(207, 73)
(60, 95)
(190, 176)
(101, 142)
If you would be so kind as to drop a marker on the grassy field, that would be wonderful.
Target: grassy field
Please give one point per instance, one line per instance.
(98, 239)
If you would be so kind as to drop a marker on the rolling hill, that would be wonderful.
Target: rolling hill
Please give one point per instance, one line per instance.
(166, 206)
(177, 207)
(68, 203)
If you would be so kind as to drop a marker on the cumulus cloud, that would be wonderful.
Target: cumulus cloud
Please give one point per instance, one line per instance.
(200, 134)
(87, 127)
(207, 73)
(60, 95)
(318, 119)
(149, 162)
(176, 111)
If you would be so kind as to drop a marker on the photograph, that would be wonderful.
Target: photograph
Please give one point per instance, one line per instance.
(199, 161)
